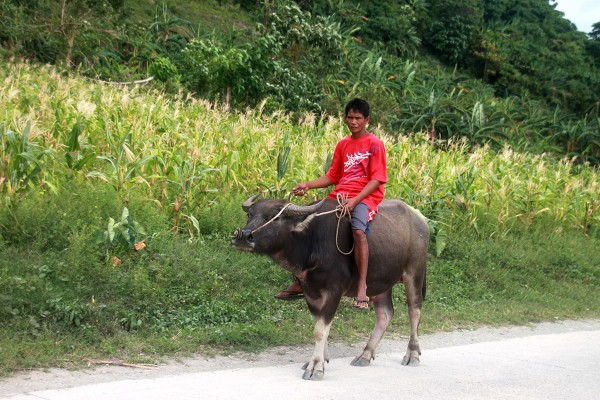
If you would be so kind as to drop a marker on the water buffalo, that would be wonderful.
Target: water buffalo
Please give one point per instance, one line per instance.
(302, 239)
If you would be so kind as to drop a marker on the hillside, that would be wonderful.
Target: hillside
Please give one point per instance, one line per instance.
(495, 73)
(202, 16)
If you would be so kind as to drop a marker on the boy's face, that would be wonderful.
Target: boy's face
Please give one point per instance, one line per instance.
(356, 122)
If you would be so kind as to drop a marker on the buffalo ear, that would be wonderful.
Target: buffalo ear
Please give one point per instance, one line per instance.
(303, 225)
(249, 201)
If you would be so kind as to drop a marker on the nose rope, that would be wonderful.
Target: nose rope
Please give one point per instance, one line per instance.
(271, 220)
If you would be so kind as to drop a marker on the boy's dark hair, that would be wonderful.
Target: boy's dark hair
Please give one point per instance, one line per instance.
(358, 105)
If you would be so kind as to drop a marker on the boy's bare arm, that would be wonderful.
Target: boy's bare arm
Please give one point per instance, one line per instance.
(321, 182)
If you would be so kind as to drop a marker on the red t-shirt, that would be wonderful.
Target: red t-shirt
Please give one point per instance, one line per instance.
(355, 163)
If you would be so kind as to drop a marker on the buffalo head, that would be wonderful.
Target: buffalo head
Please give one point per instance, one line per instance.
(270, 223)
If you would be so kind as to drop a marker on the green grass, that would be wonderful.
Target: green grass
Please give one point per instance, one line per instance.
(63, 301)
(203, 15)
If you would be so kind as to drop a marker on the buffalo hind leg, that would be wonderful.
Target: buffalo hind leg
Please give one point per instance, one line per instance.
(384, 311)
(414, 299)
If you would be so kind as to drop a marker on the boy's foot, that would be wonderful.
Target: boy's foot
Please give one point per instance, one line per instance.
(289, 295)
(361, 304)
(293, 292)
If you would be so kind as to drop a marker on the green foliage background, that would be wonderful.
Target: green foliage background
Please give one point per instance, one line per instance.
(518, 68)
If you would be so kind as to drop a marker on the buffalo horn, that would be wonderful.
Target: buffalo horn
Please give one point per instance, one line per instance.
(249, 201)
(294, 210)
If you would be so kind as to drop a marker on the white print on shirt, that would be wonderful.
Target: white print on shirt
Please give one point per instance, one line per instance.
(372, 214)
(354, 159)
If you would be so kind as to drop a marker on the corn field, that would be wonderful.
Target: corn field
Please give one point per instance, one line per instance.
(184, 154)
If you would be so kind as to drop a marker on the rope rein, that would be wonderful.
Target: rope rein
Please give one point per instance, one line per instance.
(341, 211)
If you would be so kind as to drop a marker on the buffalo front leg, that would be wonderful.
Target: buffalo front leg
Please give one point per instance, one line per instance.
(414, 298)
(384, 311)
(315, 368)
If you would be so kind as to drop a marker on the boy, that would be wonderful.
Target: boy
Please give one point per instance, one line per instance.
(358, 170)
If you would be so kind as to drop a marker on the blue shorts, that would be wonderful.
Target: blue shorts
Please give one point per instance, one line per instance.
(360, 218)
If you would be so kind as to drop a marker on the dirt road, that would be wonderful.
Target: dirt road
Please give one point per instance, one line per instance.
(545, 361)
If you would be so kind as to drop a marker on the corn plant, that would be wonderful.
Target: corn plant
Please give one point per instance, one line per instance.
(21, 160)
(76, 156)
(123, 164)
(185, 154)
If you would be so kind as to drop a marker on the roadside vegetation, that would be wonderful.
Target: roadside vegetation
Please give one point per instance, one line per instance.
(117, 204)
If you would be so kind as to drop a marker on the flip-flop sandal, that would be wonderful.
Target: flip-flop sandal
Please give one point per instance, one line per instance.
(361, 304)
(289, 295)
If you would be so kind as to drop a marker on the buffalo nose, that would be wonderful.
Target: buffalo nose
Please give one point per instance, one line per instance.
(237, 234)
(240, 234)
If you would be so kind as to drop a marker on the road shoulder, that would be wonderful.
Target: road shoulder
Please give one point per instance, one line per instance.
(57, 378)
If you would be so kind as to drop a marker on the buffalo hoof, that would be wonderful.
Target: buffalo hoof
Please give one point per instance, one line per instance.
(411, 361)
(313, 375)
(361, 361)
(312, 372)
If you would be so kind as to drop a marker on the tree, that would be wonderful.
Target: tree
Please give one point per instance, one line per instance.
(287, 61)
(489, 53)
(529, 48)
(396, 24)
(453, 28)
(593, 44)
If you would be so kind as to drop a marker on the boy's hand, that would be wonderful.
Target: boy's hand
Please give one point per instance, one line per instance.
(351, 204)
(300, 189)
